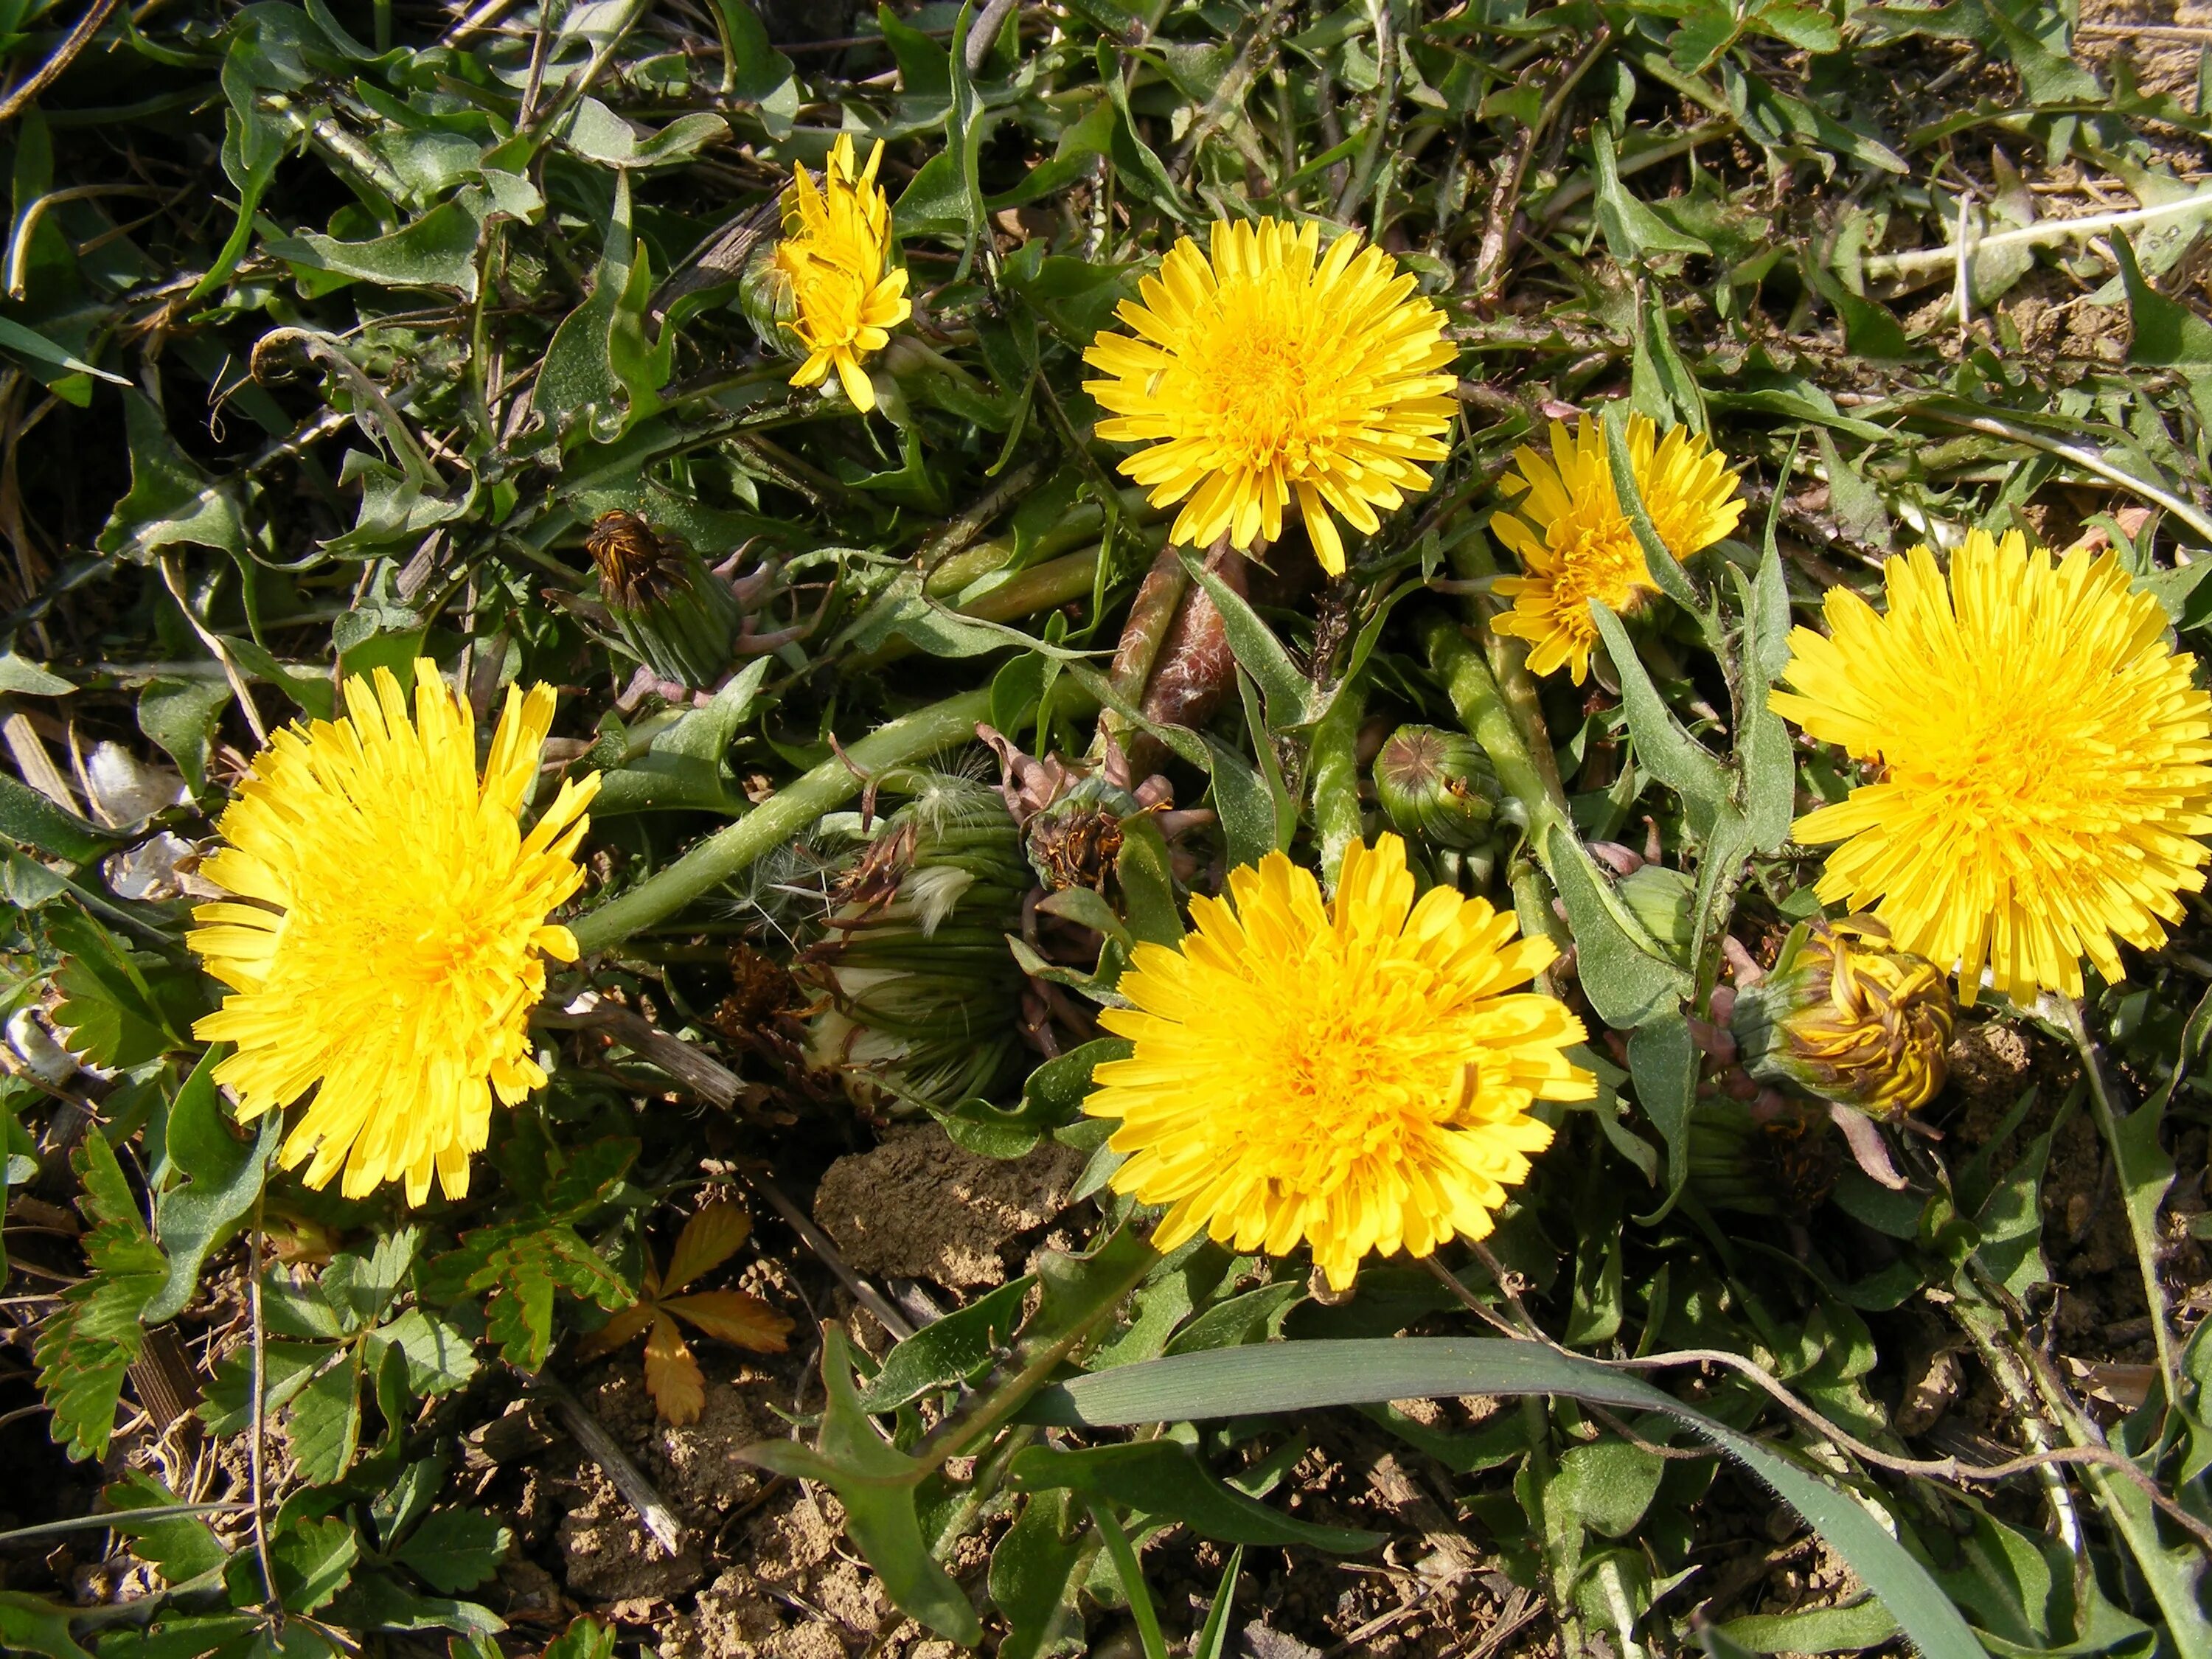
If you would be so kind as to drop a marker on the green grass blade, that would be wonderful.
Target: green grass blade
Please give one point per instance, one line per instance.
(1304, 1376)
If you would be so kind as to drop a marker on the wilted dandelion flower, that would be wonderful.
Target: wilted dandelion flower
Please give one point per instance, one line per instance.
(1356, 1075)
(1272, 373)
(2042, 757)
(832, 266)
(1575, 544)
(388, 935)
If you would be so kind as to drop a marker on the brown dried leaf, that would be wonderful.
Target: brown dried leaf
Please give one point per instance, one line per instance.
(673, 1376)
(734, 1316)
(618, 1330)
(709, 1238)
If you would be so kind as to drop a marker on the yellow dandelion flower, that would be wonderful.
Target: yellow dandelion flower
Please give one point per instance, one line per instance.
(1575, 544)
(2043, 756)
(1357, 1075)
(833, 264)
(1274, 372)
(386, 939)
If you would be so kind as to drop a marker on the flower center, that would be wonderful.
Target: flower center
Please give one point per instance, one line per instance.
(1344, 1074)
(444, 953)
(1271, 380)
(2015, 750)
(1599, 561)
(829, 290)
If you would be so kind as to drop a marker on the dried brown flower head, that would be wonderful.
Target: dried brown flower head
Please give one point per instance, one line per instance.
(872, 881)
(761, 988)
(1077, 846)
(636, 564)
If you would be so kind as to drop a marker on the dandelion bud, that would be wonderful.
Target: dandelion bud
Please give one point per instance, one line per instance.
(919, 1000)
(770, 301)
(680, 619)
(1846, 1017)
(1438, 787)
(1768, 1157)
(1665, 901)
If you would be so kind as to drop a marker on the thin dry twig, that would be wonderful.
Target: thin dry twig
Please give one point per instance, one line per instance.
(256, 1446)
(65, 54)
(1945, 1468)
(887, 1315)
(628, 1479)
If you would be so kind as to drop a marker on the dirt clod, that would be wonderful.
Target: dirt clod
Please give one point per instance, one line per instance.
(920, 1207)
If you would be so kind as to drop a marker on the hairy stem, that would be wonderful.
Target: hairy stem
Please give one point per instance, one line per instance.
(788, 813)
(1483, 710)
(1151, 614)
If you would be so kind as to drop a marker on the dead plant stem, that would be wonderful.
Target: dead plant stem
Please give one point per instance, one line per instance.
(257, 1445)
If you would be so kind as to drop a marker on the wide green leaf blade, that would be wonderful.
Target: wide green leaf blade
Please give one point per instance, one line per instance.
(1672, 756)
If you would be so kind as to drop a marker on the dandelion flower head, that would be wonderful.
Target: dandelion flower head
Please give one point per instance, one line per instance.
(1575, 544)
(1271, 373)
(2041, 757)
(1356, 1075)
(387, 935)
(833, 261)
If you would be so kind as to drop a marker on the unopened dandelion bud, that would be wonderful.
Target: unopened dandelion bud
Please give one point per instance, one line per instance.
(1438, 786)
(680, 619)
(770, 303)
(1770, 1156)
(1848, 1018)
(1665, 901)
(920, 998)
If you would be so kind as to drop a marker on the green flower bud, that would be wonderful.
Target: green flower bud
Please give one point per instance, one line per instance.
(680, 619)
(1665, 901)
(920, 997)
(770, 303)
(1760, 1160)
(1437, 787)
(1845, 1017)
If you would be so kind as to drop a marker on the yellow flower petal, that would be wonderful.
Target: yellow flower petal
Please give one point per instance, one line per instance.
(1575, 544)
(832, 262)
(1275, 374)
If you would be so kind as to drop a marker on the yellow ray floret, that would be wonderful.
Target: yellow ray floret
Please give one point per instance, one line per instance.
(1575, 544)
(834, 259)
(1356, 1075)
(387, 939)
(1273, 373)
(2043, 762)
